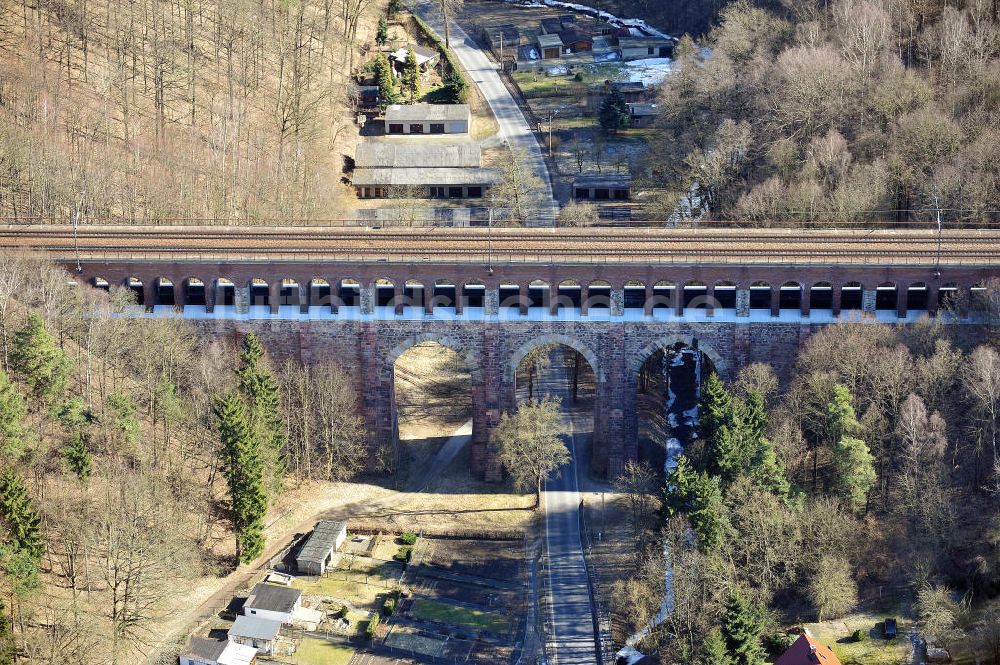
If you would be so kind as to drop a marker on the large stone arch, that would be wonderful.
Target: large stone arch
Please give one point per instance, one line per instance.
(469, 356)
(636, 361)
(510, 369)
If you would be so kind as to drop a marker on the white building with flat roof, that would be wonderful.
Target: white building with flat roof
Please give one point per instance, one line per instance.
(428, 119)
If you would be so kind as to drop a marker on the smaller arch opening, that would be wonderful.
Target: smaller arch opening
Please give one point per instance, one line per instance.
(474, 294)
(916, 296)
(634, 295)
(790, 296)
(320, 292)
(225, 292)
(260, 294)
(288, 293)
(570, 293)
(948, 296)
(135, 285)
(886, 296)
(164, 292)
(695, 294)
(349, 292)
(725, 294)
(538, 293)
(100, 283)
(194, 292)
(599, 295)
(385, 292)
(509, 294)
(413, 291)
(664, 293)
(444, 293)
(851, 296)
(821, 296)
(760, 295)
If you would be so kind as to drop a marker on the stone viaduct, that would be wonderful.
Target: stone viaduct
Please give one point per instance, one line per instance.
(361, 300)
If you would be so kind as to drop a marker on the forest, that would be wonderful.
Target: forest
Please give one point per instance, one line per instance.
(157, 109)
(137, 461)
(869, 479)
(842, 111)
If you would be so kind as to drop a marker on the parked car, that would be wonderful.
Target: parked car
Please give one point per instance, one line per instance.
(889, 629)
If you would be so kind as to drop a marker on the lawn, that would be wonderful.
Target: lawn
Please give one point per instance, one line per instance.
(873, 651)
(314, 651)
(356, 593)
(430, 610)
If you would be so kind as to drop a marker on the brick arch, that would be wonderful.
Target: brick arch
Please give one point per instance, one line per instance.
(510, 370)
(636, 361)
(469, 357)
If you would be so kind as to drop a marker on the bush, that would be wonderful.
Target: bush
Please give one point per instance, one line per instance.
(404, 554)
(372, 625)
(860, 635)
(778, 643)
(389, 606)
(342, 612)
(408, 538)
(578, 76)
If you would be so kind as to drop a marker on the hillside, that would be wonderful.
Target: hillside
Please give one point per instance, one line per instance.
(156, 108)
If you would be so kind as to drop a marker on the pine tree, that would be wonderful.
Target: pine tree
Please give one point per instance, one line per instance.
(699, 496)
(260, 390)
(713, 649)
(18, 515)
(715, 408)
(37, 360)
(8, 646)
(382, 33)
(77, 456)
(840, 417)
(854, 472)
(614, 114)
(742, 627)
(12, 410)
(411, 76)
(382, 71)
(244, 473)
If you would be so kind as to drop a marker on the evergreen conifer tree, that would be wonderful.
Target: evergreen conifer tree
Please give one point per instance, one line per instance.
(77, 456)
(614, 113)
(742, 628)
(244, 473)
(699, 496)
(715, 408)
(263, 406)
(411, 76)
(18, 515)
(382, 33)
(854, 472)
(383, 79)
(39, 362)
(12, 410)
(713, 649)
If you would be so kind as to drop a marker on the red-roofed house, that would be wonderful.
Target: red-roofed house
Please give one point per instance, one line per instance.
(807, 651)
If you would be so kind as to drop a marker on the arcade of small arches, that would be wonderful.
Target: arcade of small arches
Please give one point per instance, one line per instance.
(395, 297)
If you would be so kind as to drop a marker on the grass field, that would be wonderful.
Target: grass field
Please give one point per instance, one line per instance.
(873, 651)
(314, 651)
(430, 610)
(357, 593)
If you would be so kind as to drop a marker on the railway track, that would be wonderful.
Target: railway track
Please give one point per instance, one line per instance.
(564, 246)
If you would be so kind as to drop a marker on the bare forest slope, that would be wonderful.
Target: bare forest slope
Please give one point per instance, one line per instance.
(176, 108)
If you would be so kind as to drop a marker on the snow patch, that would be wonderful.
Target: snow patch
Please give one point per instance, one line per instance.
(651, 71)
(630, 23)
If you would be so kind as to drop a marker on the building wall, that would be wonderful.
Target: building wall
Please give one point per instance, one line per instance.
(265, 647)
(282, 617)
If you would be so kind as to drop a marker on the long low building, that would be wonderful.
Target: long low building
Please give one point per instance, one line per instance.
(428, 119)
(417, 170)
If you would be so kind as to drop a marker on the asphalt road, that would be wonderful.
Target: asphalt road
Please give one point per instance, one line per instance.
(513, 125)
(571, 609)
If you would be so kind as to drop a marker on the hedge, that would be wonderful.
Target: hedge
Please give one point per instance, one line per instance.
(454, 78)
(372, 625)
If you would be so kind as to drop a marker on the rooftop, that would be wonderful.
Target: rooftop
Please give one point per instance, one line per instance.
(642, 109)
(373, 154)
(426, 112)
(549, 41)
(321, 540)
(807, 651)
(256, 628)
(423, 54)
(626, 42)
(406, 177)
(602, 180)
(272, 598)
(205, 648)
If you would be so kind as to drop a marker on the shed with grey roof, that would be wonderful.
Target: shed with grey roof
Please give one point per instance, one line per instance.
(208, 651)
(373, 154)
(428, 119)
(550, 46)
(318, 550)
(270, 601)
(256, 632)
(637, 48)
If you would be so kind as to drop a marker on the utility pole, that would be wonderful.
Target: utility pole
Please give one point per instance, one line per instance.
(76, 223)
(501, 50)
(937, 263)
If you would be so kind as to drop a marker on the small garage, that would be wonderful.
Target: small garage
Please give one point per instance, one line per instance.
(319, 549)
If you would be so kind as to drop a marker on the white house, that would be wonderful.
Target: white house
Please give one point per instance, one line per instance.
(260, 634)
(206, 651)
(317, 552)
(277, 603)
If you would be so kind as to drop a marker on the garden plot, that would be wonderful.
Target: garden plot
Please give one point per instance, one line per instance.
(496, 560)
(412, 640)
(465, 617)
(490, 597)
